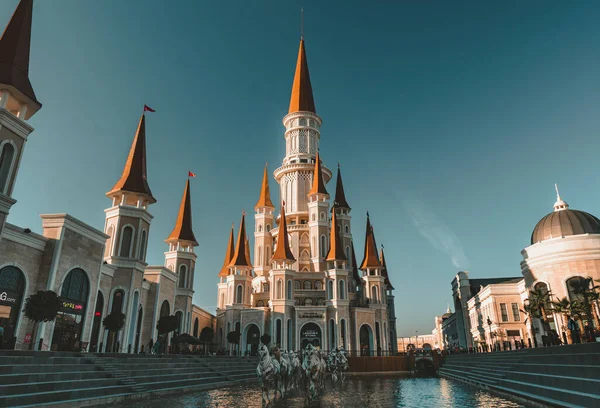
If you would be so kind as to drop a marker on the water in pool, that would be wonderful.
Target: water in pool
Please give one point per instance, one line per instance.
(355, 392)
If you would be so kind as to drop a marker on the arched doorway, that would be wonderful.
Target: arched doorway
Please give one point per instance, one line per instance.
(117, 306)
(97, 322)
(366, 340)
(68, 326)
(138, 330)
(179, 316)
(196, 327)
(165, 310)
(12, 290)
(378, 338)
(310, 333)
(251, 339)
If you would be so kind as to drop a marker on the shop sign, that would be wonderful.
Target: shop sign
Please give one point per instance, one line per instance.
(7, 297)
(310, 315)
(71, 306)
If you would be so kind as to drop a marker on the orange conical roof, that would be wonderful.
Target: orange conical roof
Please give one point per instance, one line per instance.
(248, 251)
(265, 196)
(228, 255)
(302, 95)
(318, 185)
(239, 257)
(384, 271)
(14, 51)
(134, 178)
(283, 251)
(371, 258)
(183, 227)
(336, 249)
(340, 196)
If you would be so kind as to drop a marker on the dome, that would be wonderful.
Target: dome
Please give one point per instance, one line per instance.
(563, 222)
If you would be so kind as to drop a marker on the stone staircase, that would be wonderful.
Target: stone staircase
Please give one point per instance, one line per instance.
(562, 376)
(73, 379)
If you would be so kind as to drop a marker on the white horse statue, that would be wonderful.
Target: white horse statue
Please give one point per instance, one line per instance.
(313, 367)
(337, 363)
(267, 372)
(295, 371)
(284, 370)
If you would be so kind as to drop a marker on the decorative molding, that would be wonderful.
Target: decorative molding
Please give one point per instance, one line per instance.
(32, 240)
(108, 270)
(181, 255)
(161, 271)
(6, 203)
(129, 211)
(16, 125)
(75, 225)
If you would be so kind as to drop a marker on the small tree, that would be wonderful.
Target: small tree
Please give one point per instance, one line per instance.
(206, 336)
(265, 339)
(166, 325)
(113, 323)
(43, 306)
(233, 337)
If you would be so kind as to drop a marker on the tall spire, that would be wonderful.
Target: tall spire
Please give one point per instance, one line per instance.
(302, 95)
(448, 310)
(355, 274)
(239, 257)
(228, 255)
(560, 204)
(183, 227)
(340, 196)
(283, 251)
(384, 271)
(14, 51)
(248, 251)
(264, 200)
(134, 178)
(370, 259)
(336, 250)
(318, 186)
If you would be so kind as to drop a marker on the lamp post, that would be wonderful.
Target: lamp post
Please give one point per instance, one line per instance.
(489, 322)
(416, 339)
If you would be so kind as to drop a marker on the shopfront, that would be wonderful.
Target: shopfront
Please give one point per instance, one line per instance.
(12, 290)
(68, 326)
(310, 333)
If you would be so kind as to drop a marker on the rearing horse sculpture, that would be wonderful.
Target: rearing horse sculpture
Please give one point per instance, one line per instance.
(267, 372)
(313, 367)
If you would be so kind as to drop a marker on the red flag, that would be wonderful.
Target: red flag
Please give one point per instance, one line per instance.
(148, 108)
(190, 174)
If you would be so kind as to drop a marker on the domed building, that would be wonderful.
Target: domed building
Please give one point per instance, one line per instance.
(565, 247)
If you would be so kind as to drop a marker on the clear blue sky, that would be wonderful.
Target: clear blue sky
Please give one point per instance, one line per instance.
(451, 120)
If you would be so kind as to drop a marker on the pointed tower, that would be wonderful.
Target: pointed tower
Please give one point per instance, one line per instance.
(239, 281)
(263, 240)
(181, 258)
(296, 175)
(318, 208)
(222, 298)
(391, 305)
(371, 268)
(281, 280)
(128, 220)
(343, 217)
(17, 101)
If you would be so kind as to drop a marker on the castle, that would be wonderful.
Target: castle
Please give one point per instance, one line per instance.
(304, 285)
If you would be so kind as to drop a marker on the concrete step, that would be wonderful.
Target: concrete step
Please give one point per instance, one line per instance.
(134, 372)
(24, 388)
(42, 398)
(9, 360)
(50, 376)
(164, 377)
(190, 382)
(57, 368)
(580, 384)
(560, 394)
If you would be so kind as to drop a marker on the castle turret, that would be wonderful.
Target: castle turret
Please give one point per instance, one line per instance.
(223, 299)
(239, 280)
(318, 205)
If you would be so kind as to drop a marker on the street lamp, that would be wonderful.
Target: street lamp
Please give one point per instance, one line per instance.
(489, 322)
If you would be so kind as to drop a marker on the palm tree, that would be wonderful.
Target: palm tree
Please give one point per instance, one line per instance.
(586, 295)
(532, 311)
(540, 299)
(563, 306)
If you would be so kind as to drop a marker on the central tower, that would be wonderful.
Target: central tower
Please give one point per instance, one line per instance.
(295, 176)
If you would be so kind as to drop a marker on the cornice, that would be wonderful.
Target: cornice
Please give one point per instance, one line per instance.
(161, 271)
(6, 203)
(16, 125)
(129, 211)
(75, 225)
(16, 234)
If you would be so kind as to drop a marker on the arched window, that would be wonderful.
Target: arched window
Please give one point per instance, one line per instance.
(343, 332)
(576, 286)
(297, 285)
(322, 246)
(268, 227)
(342, 289)
(165, 309)
(347, 229)
(322, 216)
(183, 276)
(260, 255)
(307, 285)
(266, 287)
(331, 334)
(12, 279)
(329, 289)
(289, 290)
(260, 303)
(126, 241)
(109, 242)
(143, 246)
(267, 254)
(6, 160)
(117, 302)
(318, 285)
(222, 303)
(196, 327)
(279, 289)
(374, 293)
(314, 217)
(179, 316)
(259, 227)
(278, 332)
(239, 293)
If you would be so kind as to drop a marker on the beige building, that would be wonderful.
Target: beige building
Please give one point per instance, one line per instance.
(94, 272)
(304, 285)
